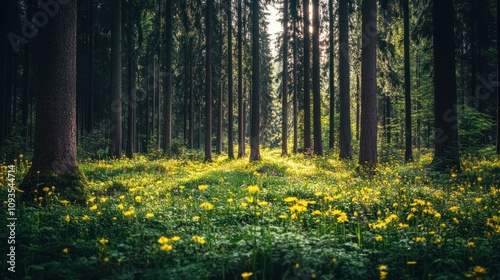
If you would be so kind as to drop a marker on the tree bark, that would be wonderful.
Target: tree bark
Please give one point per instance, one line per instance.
(116, 79)
(318, 142)
(167, 110)
(368, 142)
(132, 100)
(241, 123)
(54, 160)
(208, 82)
(331, 134)
(220, 113)
(446, 154)
(498, 78)
(255, 98)
(284, 105)
(344, 83)
(307, 82)
(230, 130)
(408, 131)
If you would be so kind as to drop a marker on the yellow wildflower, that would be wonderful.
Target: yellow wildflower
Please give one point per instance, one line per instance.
(103, 241)
(246, 275)
(199, 239)
(253, 189)
(207, 206)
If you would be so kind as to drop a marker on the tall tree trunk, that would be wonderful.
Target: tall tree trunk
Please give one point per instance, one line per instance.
(220, 112)
(368, 142)
(446, 154)
(318, 142)
(132, 100)
(116, 79)
(344, 83)
(408, 136)
(498, 78)
(255, 98)
(295, 90)
(89, 100)
(208, 82)
(331, 134)
(167, 110)
(358, 106)
(230, 130)
(241, 123)
(191, 106)
(307, 80)
(54, 160)
(5, 53)
(284, 106)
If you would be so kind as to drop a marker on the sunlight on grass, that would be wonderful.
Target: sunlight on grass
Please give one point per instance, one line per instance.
(294, 217)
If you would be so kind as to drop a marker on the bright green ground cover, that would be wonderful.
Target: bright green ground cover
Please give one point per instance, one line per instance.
(292, 218)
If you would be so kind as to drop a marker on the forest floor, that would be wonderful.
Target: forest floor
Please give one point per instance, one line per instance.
(298, 217)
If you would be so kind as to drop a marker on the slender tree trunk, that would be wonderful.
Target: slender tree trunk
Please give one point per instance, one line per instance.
(318, 141)
(116, 79)
(295, 91)
(368, 142)
(307, 82)
(284, 106)
(132, 102)
(208, 82)
(89, 102)
(5, 53)
(408, 136)
(230, 130)
(25, 101)
(255, 99)
(241, 122)
(498, 78)
(446, 154)
(388, 118)
(358, 106)
(167, 110)
(191, 107)
(54, 161)
(220, 113)
(331, 135)
(344, 83)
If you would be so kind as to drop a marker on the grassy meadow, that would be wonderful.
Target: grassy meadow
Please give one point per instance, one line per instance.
(299, 217)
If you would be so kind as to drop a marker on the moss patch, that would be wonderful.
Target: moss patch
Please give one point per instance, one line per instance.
(69, 185)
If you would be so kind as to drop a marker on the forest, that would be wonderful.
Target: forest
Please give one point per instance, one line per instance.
(250, 139)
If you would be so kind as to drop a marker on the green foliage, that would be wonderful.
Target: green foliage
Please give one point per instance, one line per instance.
(472, 127)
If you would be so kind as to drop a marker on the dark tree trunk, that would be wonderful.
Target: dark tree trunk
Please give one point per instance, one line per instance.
(241, 122)
(368, 142)
(446, 154)
(498, 78)
(208, 82)
(255, 99)
(167, 110)
(230, 130)
(25, 100)
(191, 103)
(220, 113)
(388, 118)
(54, 161)
(408, 136)
(318, 142)
(331, 134)
(358, 106)
(116, 79)
(89, 100)
(132, 100)
(344, 84)
(5, 53)
(295, 91)
(284, 106)
(307, 82)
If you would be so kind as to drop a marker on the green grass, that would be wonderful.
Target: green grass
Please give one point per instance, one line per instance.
(279, 218)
